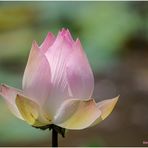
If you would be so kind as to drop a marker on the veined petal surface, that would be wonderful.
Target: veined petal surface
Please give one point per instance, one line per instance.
(71, 75)
(57, 56)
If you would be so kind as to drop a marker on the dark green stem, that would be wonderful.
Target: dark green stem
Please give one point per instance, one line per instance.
(54, 138)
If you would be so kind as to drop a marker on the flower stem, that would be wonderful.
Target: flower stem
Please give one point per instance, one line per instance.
(54, 137)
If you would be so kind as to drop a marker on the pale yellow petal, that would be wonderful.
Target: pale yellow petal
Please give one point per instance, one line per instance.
(31, 112)
(106, 107)
(77, 114)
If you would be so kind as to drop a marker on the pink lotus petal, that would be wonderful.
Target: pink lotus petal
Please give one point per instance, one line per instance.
(71, 75)
(36, 80)
(77, 114)
(66, 35)
(48, 41)
(79, 73)
(57, 56)
(9, 95)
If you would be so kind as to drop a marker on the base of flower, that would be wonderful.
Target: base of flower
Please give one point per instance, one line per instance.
(58, 129)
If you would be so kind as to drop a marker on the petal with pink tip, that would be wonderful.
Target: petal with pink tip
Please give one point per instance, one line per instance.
(77, 114)
(67, 36)
(106, 107)
(49, 40)
(36, 80)
(9, 94)
(79, 73)
(57, 56)
(31, 112)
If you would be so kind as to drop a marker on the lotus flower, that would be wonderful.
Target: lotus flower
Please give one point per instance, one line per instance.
(57, 87)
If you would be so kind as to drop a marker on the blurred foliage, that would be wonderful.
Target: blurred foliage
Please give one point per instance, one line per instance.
(104, 28)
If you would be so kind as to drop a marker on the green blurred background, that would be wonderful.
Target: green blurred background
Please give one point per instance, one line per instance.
(115, 38)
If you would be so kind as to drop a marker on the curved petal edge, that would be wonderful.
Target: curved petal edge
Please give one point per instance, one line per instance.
(77, 114)
(106, 107)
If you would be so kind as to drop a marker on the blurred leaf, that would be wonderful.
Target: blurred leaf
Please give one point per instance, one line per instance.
(15, 44)
(106, 26)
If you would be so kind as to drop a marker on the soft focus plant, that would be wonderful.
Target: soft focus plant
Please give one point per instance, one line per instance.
(57, 87)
